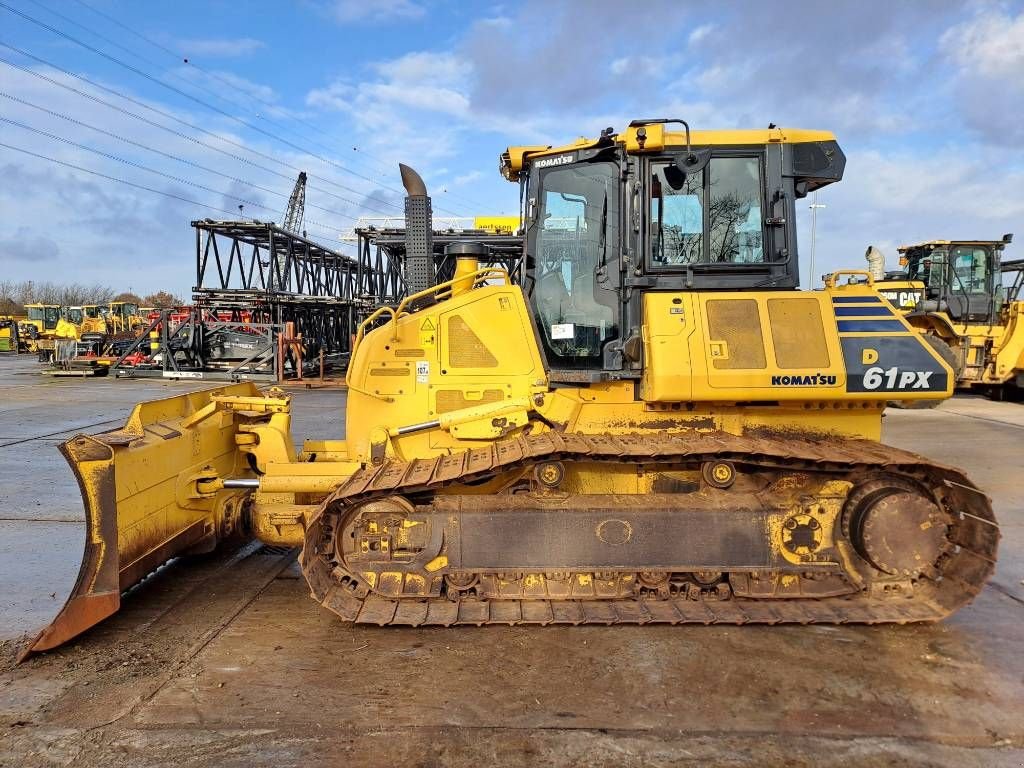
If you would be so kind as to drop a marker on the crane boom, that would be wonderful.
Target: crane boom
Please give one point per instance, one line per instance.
(296, 209)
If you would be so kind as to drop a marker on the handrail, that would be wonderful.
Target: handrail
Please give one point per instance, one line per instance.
(832, 280)
(443, 291)
(366, 323)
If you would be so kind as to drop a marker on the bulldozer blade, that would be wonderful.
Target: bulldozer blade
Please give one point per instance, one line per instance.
(141, 506)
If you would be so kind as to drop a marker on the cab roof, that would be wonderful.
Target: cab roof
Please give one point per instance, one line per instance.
(657, 139)
(940, 243)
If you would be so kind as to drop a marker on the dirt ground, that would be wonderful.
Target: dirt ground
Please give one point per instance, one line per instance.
(224, 659)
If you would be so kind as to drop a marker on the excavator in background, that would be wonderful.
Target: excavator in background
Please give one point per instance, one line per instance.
(656, 427)
(960, 295)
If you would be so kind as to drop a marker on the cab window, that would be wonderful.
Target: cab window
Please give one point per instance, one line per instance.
(714, 216)
(970, 267)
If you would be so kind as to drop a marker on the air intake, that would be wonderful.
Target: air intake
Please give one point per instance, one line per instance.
(419, 233)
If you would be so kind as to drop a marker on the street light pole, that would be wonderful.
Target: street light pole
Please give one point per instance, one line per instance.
(814, 206)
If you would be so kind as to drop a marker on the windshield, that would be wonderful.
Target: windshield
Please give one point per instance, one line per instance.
(35, 313)
(574, 234)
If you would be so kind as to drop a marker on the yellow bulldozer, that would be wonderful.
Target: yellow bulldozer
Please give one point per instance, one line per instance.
(46, 324)
(955, 293)
(655, 427)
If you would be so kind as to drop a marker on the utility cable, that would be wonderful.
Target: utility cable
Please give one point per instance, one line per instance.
(186, 161)
(147, 169)
(179, 134)
(190, 62)
(119, 181)
(176, 119)
(157, 81)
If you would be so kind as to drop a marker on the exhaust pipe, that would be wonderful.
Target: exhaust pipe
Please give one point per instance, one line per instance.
(412, 181)
(876, 262)
(419, 233)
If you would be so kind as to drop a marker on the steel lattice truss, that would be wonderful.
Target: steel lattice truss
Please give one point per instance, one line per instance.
(251, 255)
(382, 256)
(262, 275)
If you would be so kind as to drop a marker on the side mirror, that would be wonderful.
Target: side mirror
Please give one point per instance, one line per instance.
(684, 164)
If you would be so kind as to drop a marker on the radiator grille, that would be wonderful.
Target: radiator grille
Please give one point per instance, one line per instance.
(797, 333)
(389, 371)
(410, 352)
(737, 322)
(466, 349)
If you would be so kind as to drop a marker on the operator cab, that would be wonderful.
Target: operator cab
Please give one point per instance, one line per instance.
(44, 316)
(962, 278)
(656, 210)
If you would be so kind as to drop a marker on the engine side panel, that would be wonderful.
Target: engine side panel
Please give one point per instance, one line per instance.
(836, 345)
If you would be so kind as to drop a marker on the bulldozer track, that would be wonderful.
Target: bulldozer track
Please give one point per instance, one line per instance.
(959, 573)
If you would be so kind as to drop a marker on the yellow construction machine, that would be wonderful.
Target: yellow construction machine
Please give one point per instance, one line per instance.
(43, 317)
(45, 324)
(655, 427)
(955, 292)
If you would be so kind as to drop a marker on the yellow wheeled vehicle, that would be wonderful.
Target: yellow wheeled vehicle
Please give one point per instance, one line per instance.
(656, 427)
(953, 292)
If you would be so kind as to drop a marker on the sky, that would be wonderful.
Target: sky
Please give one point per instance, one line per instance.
(205, 105)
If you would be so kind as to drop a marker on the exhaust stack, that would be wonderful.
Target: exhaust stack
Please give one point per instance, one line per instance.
(419, 233)
(876, 262)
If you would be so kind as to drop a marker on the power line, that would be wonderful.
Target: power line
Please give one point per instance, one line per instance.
(168, 115)
(187, 60)
(119, 181)
(174, 118)
(157, 81)
(186, 161)
(146, 168)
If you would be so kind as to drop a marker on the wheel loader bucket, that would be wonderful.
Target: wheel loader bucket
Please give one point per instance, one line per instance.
(142, 508)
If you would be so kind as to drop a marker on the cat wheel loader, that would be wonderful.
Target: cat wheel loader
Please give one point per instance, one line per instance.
(960, 296)
(655, 427)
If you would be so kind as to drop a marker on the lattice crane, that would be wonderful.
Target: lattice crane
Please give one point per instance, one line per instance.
(296, 210)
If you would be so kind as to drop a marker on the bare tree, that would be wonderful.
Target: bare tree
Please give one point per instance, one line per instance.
(14, 296)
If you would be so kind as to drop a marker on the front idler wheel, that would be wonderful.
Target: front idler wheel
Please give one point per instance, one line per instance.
(897, 528)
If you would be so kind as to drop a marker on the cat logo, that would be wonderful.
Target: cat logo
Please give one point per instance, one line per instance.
(906, 299)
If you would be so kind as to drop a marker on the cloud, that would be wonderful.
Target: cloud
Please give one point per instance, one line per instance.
(25, 245)
(337, 97)
(231, 47)
(104, 230)
(987, 52)
(890, 198)
(991, 44)
(695, 37)
(422, 80)
(375, 11)
(466, 178)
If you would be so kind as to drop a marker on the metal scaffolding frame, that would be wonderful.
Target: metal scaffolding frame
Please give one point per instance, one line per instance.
(280, 277)
(257, 283)
(382, 257)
